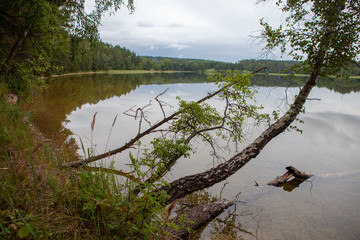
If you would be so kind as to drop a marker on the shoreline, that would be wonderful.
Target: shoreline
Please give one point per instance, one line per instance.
(114, 72)
(169, 71)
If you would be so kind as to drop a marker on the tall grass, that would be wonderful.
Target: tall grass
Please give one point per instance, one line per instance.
(40, 200)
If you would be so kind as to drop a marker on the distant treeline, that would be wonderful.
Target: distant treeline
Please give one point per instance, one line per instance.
(80, 55)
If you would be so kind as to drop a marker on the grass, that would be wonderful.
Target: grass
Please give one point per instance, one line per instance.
(40, 200)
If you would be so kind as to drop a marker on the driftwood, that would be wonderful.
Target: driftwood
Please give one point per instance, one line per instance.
(195, 218)
(291, 172)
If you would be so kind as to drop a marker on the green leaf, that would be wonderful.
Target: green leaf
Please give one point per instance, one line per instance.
(24, 231)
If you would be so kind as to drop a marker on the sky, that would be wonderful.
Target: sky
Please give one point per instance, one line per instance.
(218, 30)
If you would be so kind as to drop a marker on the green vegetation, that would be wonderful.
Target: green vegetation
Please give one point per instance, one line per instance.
(41, 197)
(46, 36)
(39, 200)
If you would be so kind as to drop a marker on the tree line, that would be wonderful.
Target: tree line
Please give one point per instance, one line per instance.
(80, 55)
(75, 54)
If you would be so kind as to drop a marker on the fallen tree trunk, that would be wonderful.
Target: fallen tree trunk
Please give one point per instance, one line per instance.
(195, 218)
(189, 184)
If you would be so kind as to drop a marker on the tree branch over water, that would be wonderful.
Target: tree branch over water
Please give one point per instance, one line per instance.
(151, 129)
(319, 58)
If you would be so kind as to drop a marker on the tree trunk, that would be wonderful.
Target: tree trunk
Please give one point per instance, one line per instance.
(14, 50)
(189, 184)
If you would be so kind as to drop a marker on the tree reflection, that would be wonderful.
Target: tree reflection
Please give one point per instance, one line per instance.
(237, 222)
(240, 222)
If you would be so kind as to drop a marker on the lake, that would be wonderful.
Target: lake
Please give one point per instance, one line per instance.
(325, 206)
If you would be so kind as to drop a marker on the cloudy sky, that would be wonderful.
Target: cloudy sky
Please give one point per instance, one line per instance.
(202, 29)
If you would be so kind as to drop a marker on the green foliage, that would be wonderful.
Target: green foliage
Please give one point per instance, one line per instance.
(195, 116)
(35, 37)
(38, 200)
(239, 95)
(12, 126)
(312, 26)
(101, 203)
(163, 154)
(29, 31)
(14, 221)
(156, 160)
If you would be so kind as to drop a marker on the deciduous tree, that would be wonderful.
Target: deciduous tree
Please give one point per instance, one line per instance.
(323, 34)
(30, 29)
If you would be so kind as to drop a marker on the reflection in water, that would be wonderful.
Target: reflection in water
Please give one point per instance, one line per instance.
(240, 221)
(337, 85)
(328, 148)
(67, 94)
(292, 184)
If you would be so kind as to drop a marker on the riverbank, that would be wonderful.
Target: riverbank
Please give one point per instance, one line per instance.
(209, 72)
(116, 72)
(41, 200)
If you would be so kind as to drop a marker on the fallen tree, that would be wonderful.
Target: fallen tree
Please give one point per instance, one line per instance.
(324, 34)
(189, 184)
(326, 48)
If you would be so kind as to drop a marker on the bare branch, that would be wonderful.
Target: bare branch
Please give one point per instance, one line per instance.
(127, 145)
(162, 103)
(189, 184)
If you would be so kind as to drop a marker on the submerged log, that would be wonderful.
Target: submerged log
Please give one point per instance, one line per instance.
(195, 218)
(291, 172)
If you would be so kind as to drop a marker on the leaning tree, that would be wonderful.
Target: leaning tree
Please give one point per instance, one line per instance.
(323, 34)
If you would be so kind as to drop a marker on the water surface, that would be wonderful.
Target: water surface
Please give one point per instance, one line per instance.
(323, 207)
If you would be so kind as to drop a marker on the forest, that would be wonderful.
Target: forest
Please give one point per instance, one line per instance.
(105, 56)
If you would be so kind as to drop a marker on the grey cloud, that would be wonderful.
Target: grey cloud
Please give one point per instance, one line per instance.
(145, 24)
(178, 46)
(176, 25)
(222, 52)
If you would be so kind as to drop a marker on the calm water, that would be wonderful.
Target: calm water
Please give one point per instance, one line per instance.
(324, 207)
